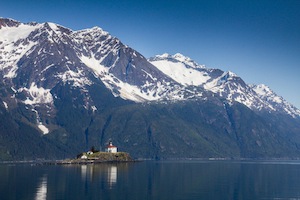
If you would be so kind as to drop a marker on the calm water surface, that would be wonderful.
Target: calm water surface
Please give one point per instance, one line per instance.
(153, 180)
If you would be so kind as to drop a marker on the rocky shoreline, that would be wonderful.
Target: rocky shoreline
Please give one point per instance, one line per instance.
(99, 157)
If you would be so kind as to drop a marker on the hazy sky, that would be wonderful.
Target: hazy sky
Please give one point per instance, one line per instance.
(258, 40)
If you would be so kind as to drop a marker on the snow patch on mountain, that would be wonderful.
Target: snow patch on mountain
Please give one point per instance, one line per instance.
(218, 84)
(94, 64)
(38, 95)
(5, 105)
(78, 79)
(178, 57)
(13, 34)
(13, 46)
(125, 90)
(40, 125)
(265, 91)
(180, 73)
(43, 128)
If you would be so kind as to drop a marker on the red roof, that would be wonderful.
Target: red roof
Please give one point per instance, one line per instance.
(111, 146)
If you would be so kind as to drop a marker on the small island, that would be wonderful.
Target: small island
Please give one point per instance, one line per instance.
(92, 156)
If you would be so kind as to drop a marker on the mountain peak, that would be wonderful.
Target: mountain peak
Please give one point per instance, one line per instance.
(94, 31)
(277, 102)
(7, 22)
(230, 74)
(96, 28)
(178, 57)
(181, 57)
(161, 57)
(58, 29)
(262, 89)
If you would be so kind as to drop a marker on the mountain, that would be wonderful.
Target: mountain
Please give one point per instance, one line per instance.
(226, 84)
(64, 91)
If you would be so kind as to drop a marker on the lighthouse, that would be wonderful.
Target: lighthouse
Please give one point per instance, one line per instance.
(111, 148)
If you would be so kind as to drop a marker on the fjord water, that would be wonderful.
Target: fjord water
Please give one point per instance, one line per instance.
(153, 180)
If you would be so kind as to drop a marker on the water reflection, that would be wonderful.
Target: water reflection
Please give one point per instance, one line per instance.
(41, 193)
(152, 180)
(112, 175)
(83, 171)
(87, 172)
(107, 173)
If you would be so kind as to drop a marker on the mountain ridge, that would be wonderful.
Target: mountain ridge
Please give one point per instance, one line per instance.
(102, 60)
(76, 89)
(226, 84)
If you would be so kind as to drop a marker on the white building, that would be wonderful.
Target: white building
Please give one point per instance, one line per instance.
(89, 153)
(111, 148)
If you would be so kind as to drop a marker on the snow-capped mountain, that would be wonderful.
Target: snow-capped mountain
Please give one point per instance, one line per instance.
(83, 88)
(226, 84)
(36, 57)
(69, 55)
(276, 102)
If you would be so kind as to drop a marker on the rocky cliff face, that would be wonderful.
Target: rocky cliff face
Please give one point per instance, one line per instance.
(63, 91)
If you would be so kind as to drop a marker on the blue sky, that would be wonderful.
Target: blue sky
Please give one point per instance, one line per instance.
(258, 40)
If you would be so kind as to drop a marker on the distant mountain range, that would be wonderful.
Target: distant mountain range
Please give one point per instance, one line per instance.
(63, 91)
